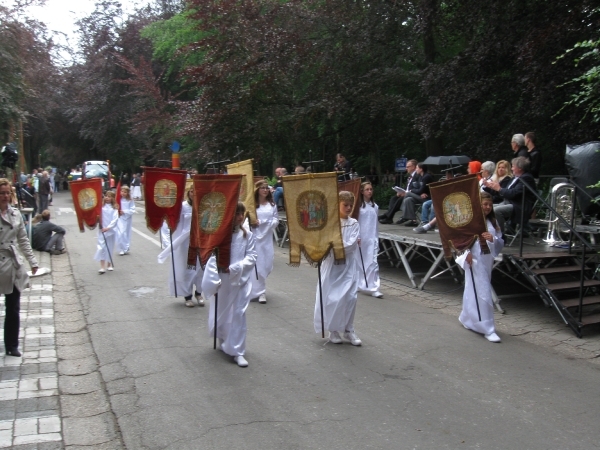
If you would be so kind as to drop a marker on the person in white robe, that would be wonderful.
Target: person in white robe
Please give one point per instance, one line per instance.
(182, 282)
(107, 233)
(233, 293)
(268, 218)
(125, 222)
(369, 242)
(340, 281)
(480, 265)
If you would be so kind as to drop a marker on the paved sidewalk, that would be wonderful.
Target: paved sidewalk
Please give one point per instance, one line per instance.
(53, 396)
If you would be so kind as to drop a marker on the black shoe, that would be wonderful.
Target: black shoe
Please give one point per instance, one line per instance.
(381, 217)
(401, 221)
(385, 221)
(411, 223)
(13, 352)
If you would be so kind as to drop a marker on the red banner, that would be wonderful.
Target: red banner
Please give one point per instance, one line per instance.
(215, 201)
(87, 199)
(354, 187)
(163, 195)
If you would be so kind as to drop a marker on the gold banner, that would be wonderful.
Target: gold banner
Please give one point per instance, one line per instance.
(245, 168)
(313, 215)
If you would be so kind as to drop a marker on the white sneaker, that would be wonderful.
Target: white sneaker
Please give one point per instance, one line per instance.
(493, 337)
(101, 271)
(377, 294)
(189, 303)
(334, 337)
(110, 268)
(126, 252)
(199, 299)
(241, 361)
(121, 253)
(352, 337)
(262, 299)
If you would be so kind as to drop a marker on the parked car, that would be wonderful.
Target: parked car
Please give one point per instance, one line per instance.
(98, 169)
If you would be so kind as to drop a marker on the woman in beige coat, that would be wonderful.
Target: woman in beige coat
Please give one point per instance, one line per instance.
(13, 275)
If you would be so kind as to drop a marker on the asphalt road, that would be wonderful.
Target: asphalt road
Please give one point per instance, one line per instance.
(419, 381)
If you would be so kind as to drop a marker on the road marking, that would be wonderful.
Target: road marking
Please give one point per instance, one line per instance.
(151, 239)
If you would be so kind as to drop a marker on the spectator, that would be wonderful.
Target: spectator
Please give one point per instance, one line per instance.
(518, 146)
(44, 190)
(299, 170)
(416, 196)
(487, 170)
(343, 165)
(396, 202)
(510, 208)
(43, 238)
(535, 157)
(278, 191)
(502, 175)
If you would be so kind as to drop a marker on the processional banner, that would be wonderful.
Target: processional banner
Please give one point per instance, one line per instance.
(354, 187)
(313, 216)
(460, 219)
(245, 168)
(163, 195)
(213, 215)
(87, 198)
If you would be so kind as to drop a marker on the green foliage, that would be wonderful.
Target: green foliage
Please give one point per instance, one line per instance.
(587, 97)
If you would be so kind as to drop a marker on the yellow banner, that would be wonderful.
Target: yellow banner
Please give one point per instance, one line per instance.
(245, 168)
(313, 215)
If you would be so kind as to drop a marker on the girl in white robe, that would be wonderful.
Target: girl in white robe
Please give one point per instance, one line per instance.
(185, 278)
(340, 281)
(268, 219)
(125, 222)
(234, 292)
(480, 265)
(369, 242)
(107, 233)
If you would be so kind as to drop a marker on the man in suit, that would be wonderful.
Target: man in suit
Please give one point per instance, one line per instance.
(412, 183)
(415, 197)
(510, 208)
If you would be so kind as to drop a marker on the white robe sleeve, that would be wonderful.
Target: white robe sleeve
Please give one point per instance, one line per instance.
(113, 219)
(211, 282)
(351, 236)
(130, 210)
(240, 272)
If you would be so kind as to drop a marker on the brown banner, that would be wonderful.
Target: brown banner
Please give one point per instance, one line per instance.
(354, 187)
(163, 195)
(215, 202)
(313, 215)
(247, 191)
(459, 215)
(88, 200)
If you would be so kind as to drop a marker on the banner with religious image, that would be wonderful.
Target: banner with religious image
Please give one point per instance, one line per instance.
(245, 168)
(88, 199)
(354, 187)
(313, 216)
(163, 195)
(215, 202)
(459, 215)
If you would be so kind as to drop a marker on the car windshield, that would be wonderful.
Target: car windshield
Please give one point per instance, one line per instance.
(96, 170)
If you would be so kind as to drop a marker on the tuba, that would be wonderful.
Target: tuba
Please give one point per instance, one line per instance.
(562, 199)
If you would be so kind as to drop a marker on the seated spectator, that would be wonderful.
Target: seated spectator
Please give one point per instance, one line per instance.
(487, 170)
(510, 208)
(299, 170)
(43, 238)
(503, 176)
(416, 197)
(278, 190)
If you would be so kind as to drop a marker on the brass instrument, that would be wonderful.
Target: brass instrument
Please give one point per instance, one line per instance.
(562, 199)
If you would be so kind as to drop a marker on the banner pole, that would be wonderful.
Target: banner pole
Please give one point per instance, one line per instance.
(363, 266)
(216, 310)
(321, 300)
(173, 263)
(475, 292)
